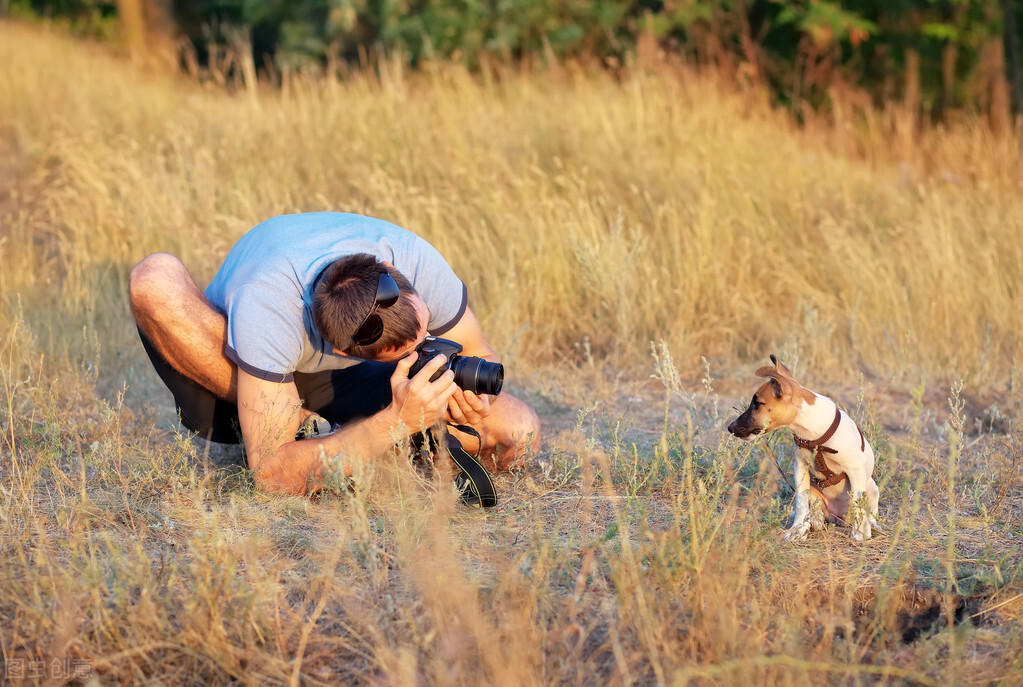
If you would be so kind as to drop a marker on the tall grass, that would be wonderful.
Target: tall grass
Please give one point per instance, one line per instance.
(576, 206)
(590, 215)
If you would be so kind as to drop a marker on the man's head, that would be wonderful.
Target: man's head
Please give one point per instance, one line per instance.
(346, 294)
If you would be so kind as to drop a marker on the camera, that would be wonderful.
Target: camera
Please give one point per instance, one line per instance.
(471, 374)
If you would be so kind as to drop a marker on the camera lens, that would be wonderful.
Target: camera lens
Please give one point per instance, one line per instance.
(478, 375)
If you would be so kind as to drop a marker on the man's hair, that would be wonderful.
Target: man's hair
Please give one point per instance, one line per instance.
(344, 294)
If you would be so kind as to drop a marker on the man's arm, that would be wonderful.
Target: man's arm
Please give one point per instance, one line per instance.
(505, 423)
(468, 332)
(270, 417)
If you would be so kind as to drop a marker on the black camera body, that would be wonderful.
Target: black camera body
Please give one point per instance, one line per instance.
(471, 374)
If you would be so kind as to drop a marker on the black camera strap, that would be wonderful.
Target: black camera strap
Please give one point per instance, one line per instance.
(473, 481)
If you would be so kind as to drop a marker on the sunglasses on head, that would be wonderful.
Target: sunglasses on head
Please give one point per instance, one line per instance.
(372, 327)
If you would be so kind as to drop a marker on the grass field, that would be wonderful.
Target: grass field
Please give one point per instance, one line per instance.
(635, 245)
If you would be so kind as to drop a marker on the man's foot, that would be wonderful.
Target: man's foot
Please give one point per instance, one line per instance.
(314, 426)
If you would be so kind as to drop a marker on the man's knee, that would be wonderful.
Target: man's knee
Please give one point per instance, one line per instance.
(530, 430)
(153, 275)
(520, 428)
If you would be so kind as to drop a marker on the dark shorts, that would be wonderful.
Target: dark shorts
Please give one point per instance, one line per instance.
(340, 396)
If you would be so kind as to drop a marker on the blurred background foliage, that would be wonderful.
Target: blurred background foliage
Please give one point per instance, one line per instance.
(936, 57)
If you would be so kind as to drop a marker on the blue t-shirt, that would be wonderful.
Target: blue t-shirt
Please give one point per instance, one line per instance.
(265, 285)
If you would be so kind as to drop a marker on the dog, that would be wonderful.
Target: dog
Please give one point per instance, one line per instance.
(834, 462)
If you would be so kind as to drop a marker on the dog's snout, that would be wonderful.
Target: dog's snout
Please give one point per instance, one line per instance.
(744, 427)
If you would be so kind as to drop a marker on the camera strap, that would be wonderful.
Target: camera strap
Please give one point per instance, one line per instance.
(473, 481)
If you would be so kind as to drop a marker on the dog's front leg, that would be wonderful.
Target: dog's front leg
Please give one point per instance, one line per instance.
(860, 513)
(800, 506)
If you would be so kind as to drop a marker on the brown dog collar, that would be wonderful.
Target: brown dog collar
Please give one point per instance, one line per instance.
(830, 478)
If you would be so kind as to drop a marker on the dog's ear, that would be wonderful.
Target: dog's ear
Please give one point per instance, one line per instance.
(782, 386)
(782, 379)
(780, 367)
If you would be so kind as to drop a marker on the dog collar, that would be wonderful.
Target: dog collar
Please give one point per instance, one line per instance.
(829, 478)
(806, 443)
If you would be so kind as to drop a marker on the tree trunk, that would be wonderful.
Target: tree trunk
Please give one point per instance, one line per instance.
(907, 119)
(1012, 55)
(750, 49)
(949, 58)
(161, 32)
(992, 60)
(911, 97)
(240, 41)
(134, 26)
(150, 31)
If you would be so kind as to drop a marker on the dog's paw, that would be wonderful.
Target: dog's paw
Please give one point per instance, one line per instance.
(818, 515)
(797, 533)
(862, 533)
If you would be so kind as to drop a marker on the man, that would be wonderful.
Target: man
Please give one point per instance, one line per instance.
(320, 313)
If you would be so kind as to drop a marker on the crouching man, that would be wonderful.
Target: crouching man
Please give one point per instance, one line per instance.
(320, 313)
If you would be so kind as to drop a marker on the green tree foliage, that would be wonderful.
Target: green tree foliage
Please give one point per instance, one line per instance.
(929, 52)
(91, 18)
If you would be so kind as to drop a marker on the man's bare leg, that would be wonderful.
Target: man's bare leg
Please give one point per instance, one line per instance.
(175, 316)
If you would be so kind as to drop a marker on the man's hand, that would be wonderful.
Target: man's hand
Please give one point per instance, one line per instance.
(418, 402)
(467, 408)
(270, 413)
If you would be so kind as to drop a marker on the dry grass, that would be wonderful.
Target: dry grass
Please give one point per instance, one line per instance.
(590, 216)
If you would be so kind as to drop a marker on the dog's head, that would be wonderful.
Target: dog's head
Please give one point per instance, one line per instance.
(775, 404)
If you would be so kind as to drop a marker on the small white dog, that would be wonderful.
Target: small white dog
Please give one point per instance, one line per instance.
(834, 463)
